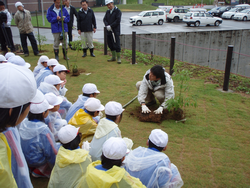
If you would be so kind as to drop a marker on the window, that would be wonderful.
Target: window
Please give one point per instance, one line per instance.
(196, 14)
(155, 14)
(147, 14)
(161, 13)
(201, 15)
(208, 15)
(185, 10)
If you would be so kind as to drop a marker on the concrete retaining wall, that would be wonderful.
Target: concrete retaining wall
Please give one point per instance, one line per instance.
(206, 48)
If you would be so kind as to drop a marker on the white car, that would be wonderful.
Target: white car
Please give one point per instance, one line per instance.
(230, 14)
(201, 18)
(243, 15)
(176, 14)
(148, 17)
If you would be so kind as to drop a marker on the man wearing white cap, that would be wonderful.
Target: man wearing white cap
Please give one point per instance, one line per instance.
(52, 83)
(108, 171)
(23, 21)
(18, 60)
(37, 141)
(107, 128)
(88, 90)
(61, 71)
(51, 63)
(71, 161)
(84, 118)
(14, 107)
(152, 166)
(41, 64)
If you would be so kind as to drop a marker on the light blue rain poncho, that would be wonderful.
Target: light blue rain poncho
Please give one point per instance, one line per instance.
(76, 106)
(153, 168)
(18, 163)
(38, 143)
(41, 75)
(55, 123)
(39, 66)
(64, 106)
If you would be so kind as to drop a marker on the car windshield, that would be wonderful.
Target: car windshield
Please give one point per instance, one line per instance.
(215, 8)
(245, 11)
(188, 14)
(233, 10)
(141, 14)
(223, 8)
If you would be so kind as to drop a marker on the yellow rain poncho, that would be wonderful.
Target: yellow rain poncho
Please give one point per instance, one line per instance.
(70, 166)
(114, 177)
(6, 177)
(86, 123)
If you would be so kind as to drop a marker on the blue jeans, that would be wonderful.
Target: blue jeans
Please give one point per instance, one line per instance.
(32, 41)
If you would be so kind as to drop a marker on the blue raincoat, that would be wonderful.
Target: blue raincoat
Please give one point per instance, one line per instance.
(41, 75)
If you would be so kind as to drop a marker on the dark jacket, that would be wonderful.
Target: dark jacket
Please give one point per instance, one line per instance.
(113, 20)
(71, 15)
(56, 26)
(86, 22)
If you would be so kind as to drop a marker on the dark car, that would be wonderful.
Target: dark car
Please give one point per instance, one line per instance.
(220, 11)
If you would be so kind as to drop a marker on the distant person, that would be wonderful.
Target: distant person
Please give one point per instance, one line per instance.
(72, 12)
(23, 21)
(112, 20)
(41, 64)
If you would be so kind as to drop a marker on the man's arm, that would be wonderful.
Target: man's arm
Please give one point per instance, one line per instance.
(117, 19)
(105, 20)
(169, 90)
(143, 91)
(66, 14)
(93, 20)
(16, 19)
(51, 18)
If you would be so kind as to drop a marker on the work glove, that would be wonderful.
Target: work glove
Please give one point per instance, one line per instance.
(159, 110)
(145, 109)
(100, 114)
(108, 27)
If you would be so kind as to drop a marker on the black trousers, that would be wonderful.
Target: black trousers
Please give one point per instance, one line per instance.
(32, 41)
(3, 40)
(114, 46)
(70, 35)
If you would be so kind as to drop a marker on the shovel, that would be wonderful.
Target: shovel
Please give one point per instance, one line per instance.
(113, 35)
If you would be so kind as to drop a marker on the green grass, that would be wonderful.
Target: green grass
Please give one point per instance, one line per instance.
(211, 149)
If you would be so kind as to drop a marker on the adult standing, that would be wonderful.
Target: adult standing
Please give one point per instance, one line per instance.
(86, 25)
(23, 21)
(72, 12)
(55, 18)
(112, 20)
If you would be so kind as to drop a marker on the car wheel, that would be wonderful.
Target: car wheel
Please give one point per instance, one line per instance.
(138, 23)
(232, 17)
(160, 22)
(133, 25)
(176, 19)
(217, 23)
(188, 24)
(197, 24)
(245, 19)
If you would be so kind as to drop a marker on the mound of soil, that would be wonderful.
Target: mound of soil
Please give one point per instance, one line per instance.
(78, 72)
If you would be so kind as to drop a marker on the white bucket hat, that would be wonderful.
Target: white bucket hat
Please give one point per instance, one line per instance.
(114, 148)
(52, 61)
(39, 104)
(18, 4)
(67, 133)
(18, 60)
(108, 1)
(53, 99)
(2, 58)
(9, 54)
(18, 85)
(93, 104)
(159, 138)
(43, 58)
(60, 68)
(113, 108)
(89, 88)
(52, 79)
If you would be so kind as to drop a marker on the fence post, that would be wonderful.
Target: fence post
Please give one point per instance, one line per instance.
(39, 39)
(105, 41)
(228, 67)
(172, 52)
(133, 47)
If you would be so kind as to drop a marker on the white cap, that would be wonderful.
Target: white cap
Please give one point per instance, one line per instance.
(18, 60)
(18, 4)
(2, 58)
(67, 133)
(114, 148)
(89, 88)
(39, 97)
(38, 108)
(18, 85)
(113, 108)
(43, 58)
(159, 138)
(52, 61)
(9, 54)
(108, 1)
(53, 99)
(60, 68)
(52, 79)
(93, 104)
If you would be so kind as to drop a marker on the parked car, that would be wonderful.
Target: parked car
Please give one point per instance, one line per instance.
(201, 18)
(243, 6)
(148, 17)
(244, 15)
(166, 9)
(213, 10)
(197, 10)
(176, 14)
(220, 11)
(230, 14)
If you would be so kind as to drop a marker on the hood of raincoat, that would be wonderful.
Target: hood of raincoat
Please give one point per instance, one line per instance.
(29, 129)
(66, 157)
(46, 88)
(104, 127)
(80, 118)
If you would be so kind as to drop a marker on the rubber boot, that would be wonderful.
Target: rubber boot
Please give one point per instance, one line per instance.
(113, 58)
(64, 54)
(84, 53)
(92, 52)
(119, 61)
(56, 51)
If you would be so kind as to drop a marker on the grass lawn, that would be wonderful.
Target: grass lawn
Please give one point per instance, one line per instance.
(211, 149)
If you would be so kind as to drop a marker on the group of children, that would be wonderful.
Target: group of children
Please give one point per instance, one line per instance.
(73, 145)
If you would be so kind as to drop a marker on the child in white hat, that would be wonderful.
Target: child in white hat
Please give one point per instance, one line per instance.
(15, 98)
(61, 71)
(71, 161)
(52, 83)
(41, 64)
(9, 54)
(84, 118)
(108, 171)
(37, 141)
(107, 128)
(151, 165)
(54, 119)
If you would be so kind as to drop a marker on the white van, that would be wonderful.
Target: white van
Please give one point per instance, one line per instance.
(148, 17)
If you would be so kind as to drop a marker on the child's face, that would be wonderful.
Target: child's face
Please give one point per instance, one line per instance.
(44, 64)
(58, 86)
(55, 109)
(62, 75)
(46, 114)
